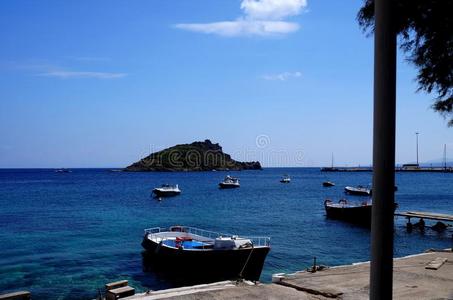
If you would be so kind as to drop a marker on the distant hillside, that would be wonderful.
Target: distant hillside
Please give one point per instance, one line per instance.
(198, 156)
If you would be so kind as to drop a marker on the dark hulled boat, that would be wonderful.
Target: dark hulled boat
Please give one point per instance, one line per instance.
(328, 184)
(358, 213)
(191, 252)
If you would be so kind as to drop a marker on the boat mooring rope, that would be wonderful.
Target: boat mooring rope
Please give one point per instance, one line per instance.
(246, 262)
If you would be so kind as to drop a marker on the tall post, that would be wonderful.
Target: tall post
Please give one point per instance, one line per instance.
(381, 273)
(416, 144)
(332, 161)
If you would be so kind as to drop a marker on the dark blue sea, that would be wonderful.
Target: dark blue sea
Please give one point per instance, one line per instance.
(64, 235)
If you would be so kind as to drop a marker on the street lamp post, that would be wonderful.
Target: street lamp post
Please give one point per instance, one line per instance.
(381, 273)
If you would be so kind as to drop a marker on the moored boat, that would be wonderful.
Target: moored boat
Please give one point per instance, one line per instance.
(359, 190)
(189, 251)
(328, 184)
(229, 182)
(285, 179)
(353, 212)
(167, 190)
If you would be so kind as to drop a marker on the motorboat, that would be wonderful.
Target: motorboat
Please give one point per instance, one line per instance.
(285, 179)
(350, 212)
(167, 190)
(328, 184)
(358, 190)
(192, 252)
(229, 182)
(353, 212)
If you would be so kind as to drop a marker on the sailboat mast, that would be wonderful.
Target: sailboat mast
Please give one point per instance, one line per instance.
(445, 156)
(332, 161)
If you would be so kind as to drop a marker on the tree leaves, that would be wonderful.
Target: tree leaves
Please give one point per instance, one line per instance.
(425, 30)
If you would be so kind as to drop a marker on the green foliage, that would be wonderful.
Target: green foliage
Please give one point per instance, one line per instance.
(425, 28)
(198, 156)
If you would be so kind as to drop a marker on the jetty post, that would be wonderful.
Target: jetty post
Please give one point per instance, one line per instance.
(381, 273)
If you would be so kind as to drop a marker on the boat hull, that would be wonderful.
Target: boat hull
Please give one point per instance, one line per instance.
(159, 193)
(357, 192)
(228, 186)
(207, 263)
(357, 214)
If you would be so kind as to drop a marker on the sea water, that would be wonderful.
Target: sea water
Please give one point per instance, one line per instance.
(64, 235)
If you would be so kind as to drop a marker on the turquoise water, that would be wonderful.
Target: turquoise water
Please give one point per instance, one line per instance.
(64, 235)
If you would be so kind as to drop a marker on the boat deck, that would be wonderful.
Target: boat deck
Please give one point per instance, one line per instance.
(187, 244)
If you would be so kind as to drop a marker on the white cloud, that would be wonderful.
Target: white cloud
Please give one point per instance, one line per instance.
(50, 70)
(261, 17)
(242, 28)
(74, 74)
(282, 76)
(272, 9)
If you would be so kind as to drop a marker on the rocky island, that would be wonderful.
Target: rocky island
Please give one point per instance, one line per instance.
(197, 156)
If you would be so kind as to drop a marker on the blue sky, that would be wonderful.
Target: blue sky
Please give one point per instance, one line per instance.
(102, 83)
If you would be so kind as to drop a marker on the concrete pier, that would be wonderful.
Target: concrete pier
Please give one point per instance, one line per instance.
(421, 276)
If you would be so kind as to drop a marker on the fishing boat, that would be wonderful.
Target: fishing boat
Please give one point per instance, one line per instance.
(229, 183)
(358, 190)
(167, 190)
(285, 179)
(353, 212)
(189, 252)
(328, 184)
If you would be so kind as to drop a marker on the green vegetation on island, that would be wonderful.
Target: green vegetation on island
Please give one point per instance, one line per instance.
(198, 156)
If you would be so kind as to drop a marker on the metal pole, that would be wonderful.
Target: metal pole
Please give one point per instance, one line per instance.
(381, 273)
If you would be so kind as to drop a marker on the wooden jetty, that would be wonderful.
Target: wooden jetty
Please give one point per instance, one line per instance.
(425, 215)
(421, 216)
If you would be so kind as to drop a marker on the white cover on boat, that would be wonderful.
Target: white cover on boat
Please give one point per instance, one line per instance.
(230, 243)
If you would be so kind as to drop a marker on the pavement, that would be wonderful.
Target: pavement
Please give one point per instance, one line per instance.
(411, 281)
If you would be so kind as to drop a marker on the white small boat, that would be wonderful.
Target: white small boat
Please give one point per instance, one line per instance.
(285, 179)
(359, 190)
(167, 190)
(229, 183)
